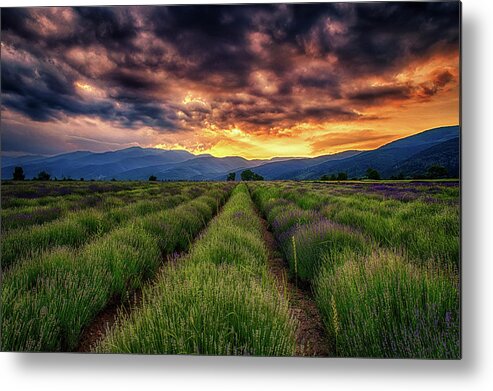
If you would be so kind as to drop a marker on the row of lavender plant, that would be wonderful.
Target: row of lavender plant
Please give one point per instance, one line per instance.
(374, 303)
(45, 209)
(77, 227)
(17, 192)
(47, 302)
(425, 232)
(219, 299)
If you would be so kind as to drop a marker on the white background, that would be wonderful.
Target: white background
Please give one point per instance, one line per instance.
(473, 372)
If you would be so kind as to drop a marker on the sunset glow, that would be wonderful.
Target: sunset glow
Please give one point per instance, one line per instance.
(256, 81)
(82, 86)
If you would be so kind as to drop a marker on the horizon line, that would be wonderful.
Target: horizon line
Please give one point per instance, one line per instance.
(23, 154)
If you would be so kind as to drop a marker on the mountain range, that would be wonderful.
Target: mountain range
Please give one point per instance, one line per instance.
(410, 156)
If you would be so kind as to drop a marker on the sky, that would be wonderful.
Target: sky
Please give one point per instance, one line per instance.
(256, 81)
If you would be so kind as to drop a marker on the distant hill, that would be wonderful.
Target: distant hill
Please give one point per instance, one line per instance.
(287, 169)
(411, 155)
(386, 158)
(92, 165)
(198, 168)
(445, 154)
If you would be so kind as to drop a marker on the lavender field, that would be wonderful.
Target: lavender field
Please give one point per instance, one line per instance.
(338, 269)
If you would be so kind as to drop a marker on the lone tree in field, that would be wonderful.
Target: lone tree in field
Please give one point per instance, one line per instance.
(231, 176)
(43, 176)
(371, 173)
(18, 174)
(153, 178)
(249, 175)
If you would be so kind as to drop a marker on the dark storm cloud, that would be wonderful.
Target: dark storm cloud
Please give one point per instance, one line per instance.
(440, 81)
(130, 81)
(385, 36)
(377, 94)
(143, 51)
(400, 92)
(43, 94)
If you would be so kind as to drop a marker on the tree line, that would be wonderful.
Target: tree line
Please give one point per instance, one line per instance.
(435, 171)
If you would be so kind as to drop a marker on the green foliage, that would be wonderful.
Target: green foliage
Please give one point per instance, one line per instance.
(249, 175)
(424, 232)
(231, 176)
(398, 302)
(400, 176)
(208, 309)
(436, 171)
(372, 174)
(315, 239)
(219, 300)
(18, 174)
(152, 178)
(43, 176)
(380, 306)
(382, 260)
(48, 299)
(47, 302)
(73, 230)
(342, 176)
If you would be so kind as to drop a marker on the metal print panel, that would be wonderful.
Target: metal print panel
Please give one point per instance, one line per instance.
(257, 180)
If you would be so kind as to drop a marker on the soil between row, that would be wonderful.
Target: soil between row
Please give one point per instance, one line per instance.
(311, 339)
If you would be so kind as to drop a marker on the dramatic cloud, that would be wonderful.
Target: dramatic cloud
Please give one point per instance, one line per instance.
(225, 79)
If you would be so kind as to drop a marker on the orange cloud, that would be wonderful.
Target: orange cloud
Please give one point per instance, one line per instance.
(258, 82)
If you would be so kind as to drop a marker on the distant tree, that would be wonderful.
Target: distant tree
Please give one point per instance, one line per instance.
(231, 176)
(436, 171)
(249, 175)
(398, 177)
(18, 174)
(372, 174)
(43, 176)
(113, 180)
(82, 179)
(153, 178)
(342, 176)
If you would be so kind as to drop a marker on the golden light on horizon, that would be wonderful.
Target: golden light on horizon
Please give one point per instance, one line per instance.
(265, 95)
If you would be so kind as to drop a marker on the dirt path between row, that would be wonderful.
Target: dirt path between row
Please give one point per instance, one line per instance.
(104, 321)
(311, 339)
(100, 325)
